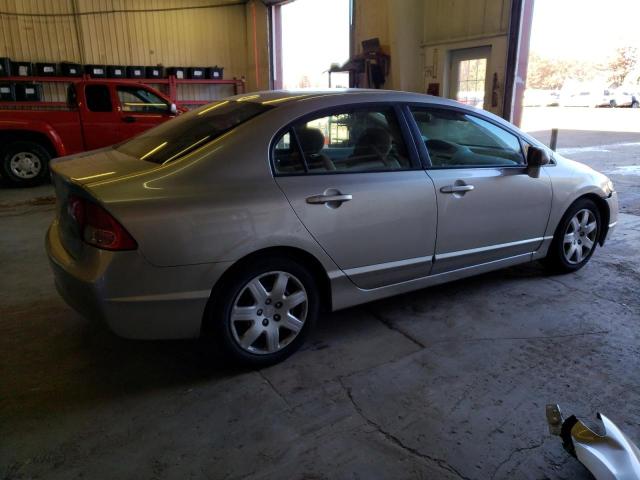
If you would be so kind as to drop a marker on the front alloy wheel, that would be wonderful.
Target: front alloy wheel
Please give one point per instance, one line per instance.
(580, 236)
(575, 239)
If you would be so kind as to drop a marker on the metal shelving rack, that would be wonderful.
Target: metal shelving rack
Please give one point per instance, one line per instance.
(171, 82)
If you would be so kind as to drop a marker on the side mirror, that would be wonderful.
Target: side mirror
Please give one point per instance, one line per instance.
(536, 158)
(173, 109)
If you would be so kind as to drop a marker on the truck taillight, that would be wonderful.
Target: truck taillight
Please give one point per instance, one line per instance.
(98, 227)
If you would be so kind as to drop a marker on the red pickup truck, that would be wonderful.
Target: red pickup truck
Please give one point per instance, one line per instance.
(97, 114)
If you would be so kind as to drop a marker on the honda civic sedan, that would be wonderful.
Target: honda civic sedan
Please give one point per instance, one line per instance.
(242, 220)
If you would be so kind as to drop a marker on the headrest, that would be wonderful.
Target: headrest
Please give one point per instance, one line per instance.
(311, 140)
(375, 137)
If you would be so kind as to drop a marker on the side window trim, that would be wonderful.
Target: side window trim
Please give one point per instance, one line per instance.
(435, 106)
(403, 125)
(423, 153)
(294, 139)
(407, 137)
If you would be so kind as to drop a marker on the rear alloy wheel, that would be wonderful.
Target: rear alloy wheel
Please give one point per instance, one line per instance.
(265, 311)
(576, 237)
(269, 313)
(25, 163)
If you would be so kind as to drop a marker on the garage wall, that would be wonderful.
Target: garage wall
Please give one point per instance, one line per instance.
(139, 32)
(421, 34)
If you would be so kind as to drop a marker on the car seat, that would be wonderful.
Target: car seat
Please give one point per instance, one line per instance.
(311, 142)
(372, 148)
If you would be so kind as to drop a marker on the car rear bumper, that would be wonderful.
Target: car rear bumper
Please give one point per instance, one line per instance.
(134, 298)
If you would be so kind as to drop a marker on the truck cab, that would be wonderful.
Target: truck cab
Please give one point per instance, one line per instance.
(98, 113)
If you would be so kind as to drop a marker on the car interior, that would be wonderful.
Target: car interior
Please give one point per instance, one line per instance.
(363, 141)
(369, 140)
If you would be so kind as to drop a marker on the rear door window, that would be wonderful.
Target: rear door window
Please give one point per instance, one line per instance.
(98, 98)
(362, 139)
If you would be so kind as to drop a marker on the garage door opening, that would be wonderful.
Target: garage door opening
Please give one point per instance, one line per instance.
(308, 37)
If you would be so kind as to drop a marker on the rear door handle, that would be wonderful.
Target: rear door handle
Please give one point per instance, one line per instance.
(319, 199)
(457, 188)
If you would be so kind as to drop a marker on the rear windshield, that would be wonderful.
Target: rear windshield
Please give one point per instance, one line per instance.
(189, 131)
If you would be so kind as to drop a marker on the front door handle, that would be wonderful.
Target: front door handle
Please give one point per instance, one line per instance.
(320, 199)
(128, 119)
(457, 188)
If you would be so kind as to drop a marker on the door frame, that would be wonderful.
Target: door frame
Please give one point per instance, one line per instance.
(275, 39)
(403, 123)
(422, 149)
(468, 53)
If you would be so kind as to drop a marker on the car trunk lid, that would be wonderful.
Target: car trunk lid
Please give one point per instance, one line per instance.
(74, 175)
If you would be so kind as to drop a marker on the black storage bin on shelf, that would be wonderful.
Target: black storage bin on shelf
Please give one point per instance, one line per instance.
(179, 72)
(154, 72)
(215, 73)
(70, 69)
(116, 71)
(5, 67)
(46, 69)
(28, 92)
(21, 69)
(7, 92)
(135, 72)
(196, 73)
(96, 71)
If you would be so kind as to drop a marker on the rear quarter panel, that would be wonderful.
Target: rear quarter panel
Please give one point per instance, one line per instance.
(217, 204)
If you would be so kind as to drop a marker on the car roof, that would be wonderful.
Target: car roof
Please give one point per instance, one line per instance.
(281, 97)
(296, 101)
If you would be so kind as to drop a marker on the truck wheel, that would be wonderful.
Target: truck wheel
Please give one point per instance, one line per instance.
(25, 163)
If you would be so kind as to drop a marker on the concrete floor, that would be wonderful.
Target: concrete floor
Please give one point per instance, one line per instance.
(447, 382)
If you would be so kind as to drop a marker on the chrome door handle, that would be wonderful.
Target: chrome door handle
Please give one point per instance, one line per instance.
(319, 199)
(457, 188)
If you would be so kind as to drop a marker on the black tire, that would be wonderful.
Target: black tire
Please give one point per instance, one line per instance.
(635, 104)
(613, 104)
(556, 261)
(38, 158)
(218, 330)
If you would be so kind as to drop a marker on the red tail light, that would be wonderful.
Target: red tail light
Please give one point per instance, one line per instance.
(98, 227)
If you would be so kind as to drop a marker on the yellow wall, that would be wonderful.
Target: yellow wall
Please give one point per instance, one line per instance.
(136, 32)
(447, 20)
